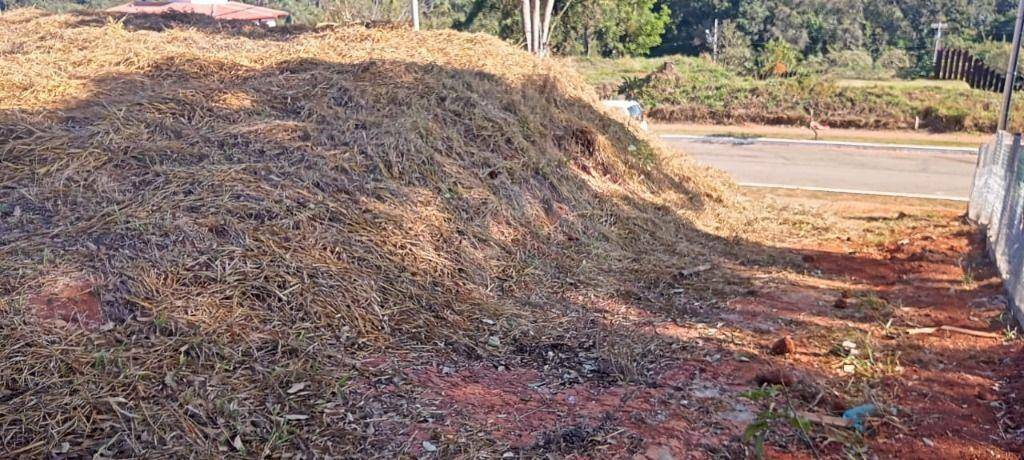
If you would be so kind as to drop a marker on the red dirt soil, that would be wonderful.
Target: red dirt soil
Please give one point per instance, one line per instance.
(70, 300)
(941, 395)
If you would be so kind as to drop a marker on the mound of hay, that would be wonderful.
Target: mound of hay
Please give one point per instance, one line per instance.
(255, 212)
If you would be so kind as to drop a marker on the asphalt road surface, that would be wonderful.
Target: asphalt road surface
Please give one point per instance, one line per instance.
(835, 168)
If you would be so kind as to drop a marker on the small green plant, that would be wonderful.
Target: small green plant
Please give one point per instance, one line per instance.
(161, 321)
(967, 280)
(758, 430)
(100, 360)
(1010, 333)
(876, 307)
(869, 363)
(761, 394)
(633, 87)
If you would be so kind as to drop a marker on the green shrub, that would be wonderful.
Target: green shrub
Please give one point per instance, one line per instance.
(893, 60)
(734, 50)
(777, 58)
(851, 63)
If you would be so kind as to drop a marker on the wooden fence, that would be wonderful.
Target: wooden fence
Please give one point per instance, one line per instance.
(770, 75)
(955, 64)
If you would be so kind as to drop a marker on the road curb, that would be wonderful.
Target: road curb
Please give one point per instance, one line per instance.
(808, 188)
(861, 145)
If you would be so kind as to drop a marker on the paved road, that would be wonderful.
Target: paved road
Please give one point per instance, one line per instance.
(848, 169)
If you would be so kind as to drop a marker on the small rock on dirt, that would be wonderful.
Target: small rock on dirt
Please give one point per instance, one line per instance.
(784, 346)
(843, 301)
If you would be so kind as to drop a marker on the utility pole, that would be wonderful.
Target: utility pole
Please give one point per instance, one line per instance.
(1011, 70)
(938, 26)
(714, 51)
(415, 14)
(713, 39)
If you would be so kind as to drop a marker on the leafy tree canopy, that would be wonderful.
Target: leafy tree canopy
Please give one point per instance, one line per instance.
(749, 30)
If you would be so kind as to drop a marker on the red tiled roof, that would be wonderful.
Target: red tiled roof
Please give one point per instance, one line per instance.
(228, 11)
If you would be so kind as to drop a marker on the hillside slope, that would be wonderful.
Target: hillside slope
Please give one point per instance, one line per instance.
(218, 221)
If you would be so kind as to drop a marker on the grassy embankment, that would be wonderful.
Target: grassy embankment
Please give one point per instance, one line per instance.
(698, 91)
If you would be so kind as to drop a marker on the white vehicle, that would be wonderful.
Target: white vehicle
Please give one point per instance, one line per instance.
(631, 109)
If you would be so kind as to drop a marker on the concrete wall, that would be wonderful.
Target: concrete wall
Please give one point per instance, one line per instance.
(997, 205)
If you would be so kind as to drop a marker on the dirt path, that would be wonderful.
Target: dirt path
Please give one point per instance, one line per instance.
(718, 391)
(849, 135)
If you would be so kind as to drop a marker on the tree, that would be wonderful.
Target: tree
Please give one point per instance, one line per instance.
(734, 51)
(604, 27)
(611, 27)
(537, 25)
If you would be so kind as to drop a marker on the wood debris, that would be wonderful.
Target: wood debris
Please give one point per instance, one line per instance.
(959, 330)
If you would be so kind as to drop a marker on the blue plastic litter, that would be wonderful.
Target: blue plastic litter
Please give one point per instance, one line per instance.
(857, 414)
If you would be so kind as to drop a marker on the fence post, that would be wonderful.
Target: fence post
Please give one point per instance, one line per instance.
(958, 68)
(947, 59)
(952, 71)
(970, 71)
(950, 59)
(978, 73)
(982, 75)
(966, 66)
(940, 58)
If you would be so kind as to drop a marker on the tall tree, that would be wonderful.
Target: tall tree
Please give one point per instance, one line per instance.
(610, 27)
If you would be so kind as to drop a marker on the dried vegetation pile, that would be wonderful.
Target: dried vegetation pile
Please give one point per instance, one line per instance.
(203, 231)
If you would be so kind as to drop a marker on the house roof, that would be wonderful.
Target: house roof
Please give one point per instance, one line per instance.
(226, 10)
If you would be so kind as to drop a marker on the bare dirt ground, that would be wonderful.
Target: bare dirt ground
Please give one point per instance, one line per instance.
(720, 392)
(833, 134)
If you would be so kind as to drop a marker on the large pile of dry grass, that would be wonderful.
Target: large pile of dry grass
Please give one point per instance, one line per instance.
(252, 212)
